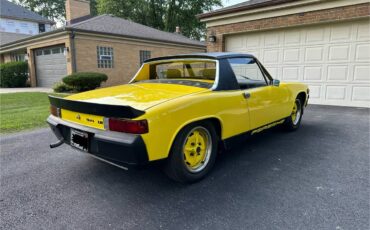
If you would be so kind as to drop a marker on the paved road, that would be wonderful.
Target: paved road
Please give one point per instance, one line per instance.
(316, 178)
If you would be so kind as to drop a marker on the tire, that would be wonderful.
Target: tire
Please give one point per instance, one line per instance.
(188, 161)
(293, 122)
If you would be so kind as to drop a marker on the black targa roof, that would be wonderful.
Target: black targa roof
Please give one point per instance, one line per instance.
(216, 56)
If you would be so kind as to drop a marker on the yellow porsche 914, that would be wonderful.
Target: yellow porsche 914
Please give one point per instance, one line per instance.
(180, 109)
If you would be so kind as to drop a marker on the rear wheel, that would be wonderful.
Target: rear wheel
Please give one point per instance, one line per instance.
(193, 153)
(293, 122)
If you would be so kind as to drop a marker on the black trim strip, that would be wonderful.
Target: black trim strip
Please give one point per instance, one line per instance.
(239, 138)
(119, 111)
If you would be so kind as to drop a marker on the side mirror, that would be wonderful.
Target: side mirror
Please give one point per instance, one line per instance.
(276, 82)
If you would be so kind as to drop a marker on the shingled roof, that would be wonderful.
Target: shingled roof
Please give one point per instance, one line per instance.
(108, 24)
(14, 11)
(6, 37)
(115, 26)
(247, 5)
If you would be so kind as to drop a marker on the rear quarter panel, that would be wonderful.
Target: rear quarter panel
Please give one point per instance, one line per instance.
(167, 119)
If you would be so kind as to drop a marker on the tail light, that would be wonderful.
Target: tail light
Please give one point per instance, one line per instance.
(54, 111)
(128, 126)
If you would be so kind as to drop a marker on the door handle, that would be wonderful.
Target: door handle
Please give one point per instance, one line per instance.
(246, 95)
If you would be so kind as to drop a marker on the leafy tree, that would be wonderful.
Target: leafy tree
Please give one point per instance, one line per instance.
(52, 9)
(161, 14)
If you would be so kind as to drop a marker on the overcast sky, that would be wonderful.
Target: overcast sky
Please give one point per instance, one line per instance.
(232, 2)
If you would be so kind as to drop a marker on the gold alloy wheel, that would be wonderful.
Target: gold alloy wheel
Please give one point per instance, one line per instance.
(296, 113)
(197, 149)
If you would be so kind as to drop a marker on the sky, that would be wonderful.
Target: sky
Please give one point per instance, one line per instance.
(232, 2)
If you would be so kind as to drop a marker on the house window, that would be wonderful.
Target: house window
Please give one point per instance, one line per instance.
(18, 57)
(144, 55)
(57, 50)
(104, 57)
(38, 52)
(41, 28)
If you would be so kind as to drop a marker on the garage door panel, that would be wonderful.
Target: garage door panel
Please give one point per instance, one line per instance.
(313, 73)
(292, 38)
(337, 73)
(271, 56)
(314, 54)
(333, 59)
(314, 36)
(50, 68)
(291, 74)
(271, 40)
(340, 33)
(363, 31)
(292, 55)
(336, 92)
(361, 73)
(253, 41)
(339, 53)
(363, 52)
(361, 93)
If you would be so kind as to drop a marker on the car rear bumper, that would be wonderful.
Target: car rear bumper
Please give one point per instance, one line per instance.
(115, 147)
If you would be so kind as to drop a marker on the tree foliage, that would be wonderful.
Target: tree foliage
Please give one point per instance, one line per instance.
(52, 9)
(161, 14)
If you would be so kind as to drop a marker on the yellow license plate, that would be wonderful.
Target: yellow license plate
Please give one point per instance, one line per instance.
(83, 119)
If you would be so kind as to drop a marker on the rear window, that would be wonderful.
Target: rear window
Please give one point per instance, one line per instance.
(182, 70)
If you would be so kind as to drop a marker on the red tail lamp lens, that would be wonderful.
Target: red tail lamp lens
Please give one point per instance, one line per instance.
(128, 126)
(54, 111)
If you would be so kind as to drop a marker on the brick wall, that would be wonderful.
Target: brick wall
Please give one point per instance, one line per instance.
(321, 16)
(126, 56)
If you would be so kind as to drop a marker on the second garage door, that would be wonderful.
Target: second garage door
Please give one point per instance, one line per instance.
(51, 66)
(332, 59)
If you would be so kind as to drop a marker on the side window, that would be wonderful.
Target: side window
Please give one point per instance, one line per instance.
(104, 57)
(247, 72)
(144, 55)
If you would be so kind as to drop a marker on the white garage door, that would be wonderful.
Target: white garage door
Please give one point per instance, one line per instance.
(332, 59)
(51, 66)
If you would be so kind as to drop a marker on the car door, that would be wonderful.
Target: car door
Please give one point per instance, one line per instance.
(264, 100)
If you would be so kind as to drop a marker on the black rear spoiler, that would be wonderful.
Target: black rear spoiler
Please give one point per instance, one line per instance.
(118, 111)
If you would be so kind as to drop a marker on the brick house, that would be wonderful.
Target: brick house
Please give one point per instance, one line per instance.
(323, 43)
(17, 22)
(104, 43)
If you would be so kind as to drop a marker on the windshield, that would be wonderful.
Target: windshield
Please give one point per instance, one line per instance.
(200, 73)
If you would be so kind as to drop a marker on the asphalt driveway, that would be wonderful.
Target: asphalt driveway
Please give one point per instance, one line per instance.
(315, 178)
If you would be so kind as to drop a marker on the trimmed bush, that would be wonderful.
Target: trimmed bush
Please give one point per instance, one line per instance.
(13, 74)
(60, 87)
(85, 81)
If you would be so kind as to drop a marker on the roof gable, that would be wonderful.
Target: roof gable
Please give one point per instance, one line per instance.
(14, 11)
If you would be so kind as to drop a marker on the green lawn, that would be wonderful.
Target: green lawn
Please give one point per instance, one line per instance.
(20, 111)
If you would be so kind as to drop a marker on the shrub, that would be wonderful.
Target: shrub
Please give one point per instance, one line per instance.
(85, 81)
(60, 87)
(13, 74)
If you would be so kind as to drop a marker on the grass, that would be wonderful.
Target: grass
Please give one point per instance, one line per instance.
(22, 111)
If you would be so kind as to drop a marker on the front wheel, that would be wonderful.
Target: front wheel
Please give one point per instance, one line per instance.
(293, 122)
(193, 153)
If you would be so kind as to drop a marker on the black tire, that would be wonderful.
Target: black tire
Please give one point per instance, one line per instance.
(175, 166)
(292, 123)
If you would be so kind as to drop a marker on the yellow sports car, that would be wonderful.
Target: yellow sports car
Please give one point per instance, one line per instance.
(180, 109)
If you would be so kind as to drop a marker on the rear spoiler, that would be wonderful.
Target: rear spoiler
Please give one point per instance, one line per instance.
(117, 111)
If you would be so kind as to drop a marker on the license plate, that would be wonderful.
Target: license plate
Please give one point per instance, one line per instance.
(80, 140)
